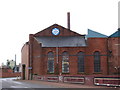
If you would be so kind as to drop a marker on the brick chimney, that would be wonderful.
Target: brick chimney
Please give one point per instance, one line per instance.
(68, 20)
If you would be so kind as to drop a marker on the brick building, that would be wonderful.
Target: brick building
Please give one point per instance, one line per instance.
(6, 72)
(114, 50)
(57, 50)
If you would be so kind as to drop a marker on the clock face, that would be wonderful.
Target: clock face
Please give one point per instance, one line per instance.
(55, 31)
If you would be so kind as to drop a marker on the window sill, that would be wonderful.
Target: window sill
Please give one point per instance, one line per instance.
(81, 73)
(65, 73)
(97, 73)
(50, 73)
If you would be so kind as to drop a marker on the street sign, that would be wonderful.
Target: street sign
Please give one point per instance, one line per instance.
(29, 67)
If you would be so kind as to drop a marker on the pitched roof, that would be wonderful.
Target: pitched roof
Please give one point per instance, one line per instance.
(63, 31)
(65, 38)
(93, 34)
(65, 41)
(116, 34)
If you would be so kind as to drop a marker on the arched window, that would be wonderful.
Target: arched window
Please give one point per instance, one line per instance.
(81, 62)
(50, 65)
(65, 62)
(96, 61)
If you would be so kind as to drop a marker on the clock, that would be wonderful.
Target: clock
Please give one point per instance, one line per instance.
(55, 31)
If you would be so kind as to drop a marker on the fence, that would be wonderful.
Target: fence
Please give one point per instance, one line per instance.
(83, 79)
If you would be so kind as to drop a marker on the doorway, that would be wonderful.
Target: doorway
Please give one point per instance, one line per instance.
(23, 71)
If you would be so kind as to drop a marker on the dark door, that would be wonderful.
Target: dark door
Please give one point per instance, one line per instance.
(23, 71)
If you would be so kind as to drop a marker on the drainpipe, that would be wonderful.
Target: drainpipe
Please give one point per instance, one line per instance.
(108, 55)
(30, 55)
(30, 58)
(57, 60)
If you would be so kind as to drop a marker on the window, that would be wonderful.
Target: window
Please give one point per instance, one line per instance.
(65, 62)
(81, 62)
(50, 62)
(96, 61)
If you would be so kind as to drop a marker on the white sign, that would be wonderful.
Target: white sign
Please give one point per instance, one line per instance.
(55, 31)
(29, 67)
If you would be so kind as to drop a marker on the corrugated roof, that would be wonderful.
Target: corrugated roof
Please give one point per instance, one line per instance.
(116, 34)
(65, 41)
(93, 34)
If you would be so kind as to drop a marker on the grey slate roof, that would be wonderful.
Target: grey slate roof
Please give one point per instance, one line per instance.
(65, 41)
(94, 34)
(116, 34)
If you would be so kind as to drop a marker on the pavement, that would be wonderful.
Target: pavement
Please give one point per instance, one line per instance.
(62, 85)
(14, 84)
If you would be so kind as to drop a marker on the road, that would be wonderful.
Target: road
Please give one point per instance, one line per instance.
(11, 83)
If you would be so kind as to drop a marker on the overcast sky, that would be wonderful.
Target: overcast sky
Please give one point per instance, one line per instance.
(19, 18)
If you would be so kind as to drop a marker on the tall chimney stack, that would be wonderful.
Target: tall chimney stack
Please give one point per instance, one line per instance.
(15, 60)
(68, 20)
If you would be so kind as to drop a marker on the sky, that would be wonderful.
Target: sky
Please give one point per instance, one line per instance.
(19, 18)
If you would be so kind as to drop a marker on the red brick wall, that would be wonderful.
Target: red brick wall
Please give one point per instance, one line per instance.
(37, 61)
(96, 44)
(6, 70)
(25, 59)
(114, 59)
(37, 54)
(72, 59)
(5, 73)
(89, 66)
